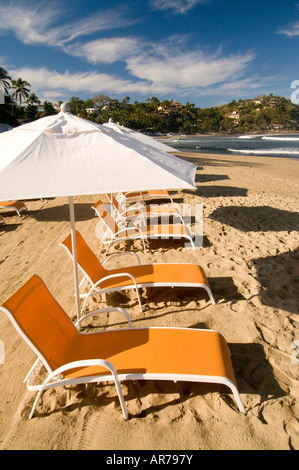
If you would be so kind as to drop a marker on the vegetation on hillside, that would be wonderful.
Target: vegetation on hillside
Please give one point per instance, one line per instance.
(261, 114)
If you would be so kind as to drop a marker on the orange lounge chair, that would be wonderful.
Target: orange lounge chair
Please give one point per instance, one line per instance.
(16, 205)
(143, 212)
(104, 280)
(71, 357)
(145, 195)
(142, 232)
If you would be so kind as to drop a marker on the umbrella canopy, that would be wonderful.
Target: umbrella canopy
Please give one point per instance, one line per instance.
(63, 155)
(145, 139)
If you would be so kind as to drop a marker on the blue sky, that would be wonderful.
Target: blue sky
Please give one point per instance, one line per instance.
(206, 52)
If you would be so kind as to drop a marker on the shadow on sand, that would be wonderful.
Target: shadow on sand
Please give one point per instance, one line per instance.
(83, 211)
(255, 219)
(278, 276)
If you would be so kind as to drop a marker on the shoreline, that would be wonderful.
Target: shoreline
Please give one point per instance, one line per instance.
(215, 134)
(250, 256)
(260, 145)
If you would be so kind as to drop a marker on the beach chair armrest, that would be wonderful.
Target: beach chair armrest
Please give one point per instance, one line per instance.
(121, 254)
(111, 276)
(104, 310)
(78, 364)
(84, 363)
(115, 235)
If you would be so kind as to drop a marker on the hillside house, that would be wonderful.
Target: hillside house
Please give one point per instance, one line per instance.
(273, 101)
(234, 115)
(174, 108)
(92, 110)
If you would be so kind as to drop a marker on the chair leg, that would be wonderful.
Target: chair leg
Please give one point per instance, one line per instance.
(237, 397)
(143, 242)
(108, 247)
(121, 398)
(210, 294)
(36, 400)
(192, 243)
(139, 299)
(73, 365)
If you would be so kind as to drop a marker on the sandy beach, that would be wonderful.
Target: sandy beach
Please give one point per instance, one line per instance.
(250, 255)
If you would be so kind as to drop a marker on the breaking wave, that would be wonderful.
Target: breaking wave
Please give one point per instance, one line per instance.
(250, 136)
(278, 151)
(279, 145)
(282, 139)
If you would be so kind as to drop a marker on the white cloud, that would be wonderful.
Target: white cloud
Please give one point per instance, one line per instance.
(164, 67)
(177, 6)
(234, 89)
(26, 23)
(193, 69)
(53, 86)
(291, 31)
(46, 83)
(41, 24)
(157, 68)
(105, 50)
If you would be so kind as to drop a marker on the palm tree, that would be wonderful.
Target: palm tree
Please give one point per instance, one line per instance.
(33, 99)
(126, 100)
(21, 90)
(4, 79)
(48, 110)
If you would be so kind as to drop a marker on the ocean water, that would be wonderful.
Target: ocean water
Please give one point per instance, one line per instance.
(263, 145)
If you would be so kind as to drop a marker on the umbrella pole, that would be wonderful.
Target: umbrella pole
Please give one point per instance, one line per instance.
(74, 246)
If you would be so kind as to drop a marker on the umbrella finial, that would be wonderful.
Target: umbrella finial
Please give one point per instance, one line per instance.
(65, 108)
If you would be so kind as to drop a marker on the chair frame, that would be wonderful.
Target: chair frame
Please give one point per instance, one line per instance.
(139, 212)
(118, 237)
(54, 378)
(13, 206)
(95, 288)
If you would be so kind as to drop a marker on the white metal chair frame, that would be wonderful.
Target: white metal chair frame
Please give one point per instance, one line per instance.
(95, 288)
(12, 207)
(54, 378)
(138, 212)
(100, 291)
(117, 236)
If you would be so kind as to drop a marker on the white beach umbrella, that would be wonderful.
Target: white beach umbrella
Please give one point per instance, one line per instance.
(64, 155)
(145, 139)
